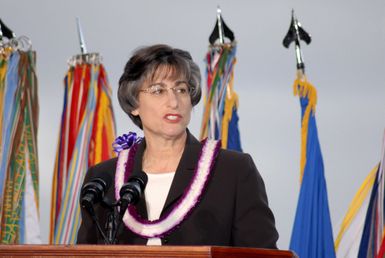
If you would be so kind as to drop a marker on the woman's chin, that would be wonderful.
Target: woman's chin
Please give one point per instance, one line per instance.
(174, 133)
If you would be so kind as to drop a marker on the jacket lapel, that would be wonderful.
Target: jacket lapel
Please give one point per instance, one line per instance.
(141, 205)
(184, 171)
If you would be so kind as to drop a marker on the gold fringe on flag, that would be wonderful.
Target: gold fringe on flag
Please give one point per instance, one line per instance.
(305, 89)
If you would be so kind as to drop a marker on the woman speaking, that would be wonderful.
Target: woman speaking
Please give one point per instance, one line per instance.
(197, 193)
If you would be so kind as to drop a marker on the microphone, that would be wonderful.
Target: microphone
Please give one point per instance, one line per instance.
(131, 191)
(93, 191)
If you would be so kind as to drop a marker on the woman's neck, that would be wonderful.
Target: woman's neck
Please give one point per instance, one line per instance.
(163, 155)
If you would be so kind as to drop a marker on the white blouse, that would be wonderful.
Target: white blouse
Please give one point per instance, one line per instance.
(156, 191)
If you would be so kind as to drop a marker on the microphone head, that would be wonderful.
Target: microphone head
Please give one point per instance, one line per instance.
(93, 191)
(134, 188)
(105, 177)
(141, 178)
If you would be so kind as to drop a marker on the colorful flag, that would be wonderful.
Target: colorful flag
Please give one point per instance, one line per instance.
(86, 133)
(19, 173)
(373, 232)
(348, 239)
(312, 234)
(362, 230)
(220, 116)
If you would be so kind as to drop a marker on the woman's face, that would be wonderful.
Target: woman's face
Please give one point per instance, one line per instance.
(164, 106)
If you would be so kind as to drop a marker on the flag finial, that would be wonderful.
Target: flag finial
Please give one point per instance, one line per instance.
(5, 31)
(220, 27)
(295, 34)
(221, 30)
(83, 47)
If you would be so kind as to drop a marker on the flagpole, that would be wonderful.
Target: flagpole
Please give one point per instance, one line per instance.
(83, 48)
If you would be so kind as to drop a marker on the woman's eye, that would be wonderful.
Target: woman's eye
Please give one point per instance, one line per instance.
(182, 90)
(157, 91)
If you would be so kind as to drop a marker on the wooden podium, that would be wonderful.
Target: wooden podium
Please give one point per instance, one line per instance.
(137, 251)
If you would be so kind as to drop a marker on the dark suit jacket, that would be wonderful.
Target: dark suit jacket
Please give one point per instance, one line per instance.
(233, 210)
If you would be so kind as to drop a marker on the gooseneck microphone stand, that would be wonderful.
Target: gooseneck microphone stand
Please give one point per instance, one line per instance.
(110, 225)
(114, 219)
(120, 214)
(90, 210)
(113, 222)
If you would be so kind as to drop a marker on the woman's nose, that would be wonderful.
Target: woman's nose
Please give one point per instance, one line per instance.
(172, 98)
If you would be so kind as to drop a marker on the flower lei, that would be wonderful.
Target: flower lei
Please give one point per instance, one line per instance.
(182, 209)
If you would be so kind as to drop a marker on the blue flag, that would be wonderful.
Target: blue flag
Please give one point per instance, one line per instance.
(312, 235)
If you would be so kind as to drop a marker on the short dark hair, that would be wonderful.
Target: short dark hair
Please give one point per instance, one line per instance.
(144, 64)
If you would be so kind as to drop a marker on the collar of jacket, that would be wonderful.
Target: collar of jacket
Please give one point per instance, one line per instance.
(183, 174)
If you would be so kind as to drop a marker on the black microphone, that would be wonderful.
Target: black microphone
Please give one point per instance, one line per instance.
(131, 191)
(93, 191)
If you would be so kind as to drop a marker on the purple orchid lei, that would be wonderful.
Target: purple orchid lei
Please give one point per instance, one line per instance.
(182, 209)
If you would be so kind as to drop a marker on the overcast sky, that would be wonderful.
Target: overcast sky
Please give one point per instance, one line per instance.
(345, 61)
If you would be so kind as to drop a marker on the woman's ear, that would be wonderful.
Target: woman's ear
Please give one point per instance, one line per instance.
(135, 112)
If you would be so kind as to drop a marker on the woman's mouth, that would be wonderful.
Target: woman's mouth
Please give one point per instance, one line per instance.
(173, 117)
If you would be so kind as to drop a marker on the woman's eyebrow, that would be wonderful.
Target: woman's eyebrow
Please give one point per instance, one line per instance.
(177, 82)
(156, 83)
(180, 82)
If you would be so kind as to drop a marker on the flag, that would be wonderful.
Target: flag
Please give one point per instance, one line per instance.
(348, 239)
(372, 240)
(19, 172)
(86, 133)
(312, 234)
(362, 230)
(220, 115)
